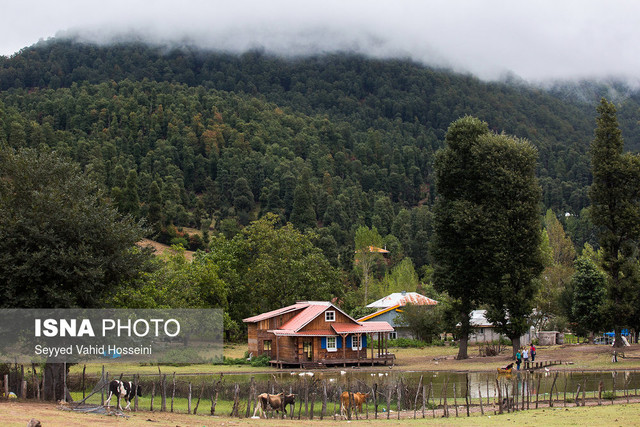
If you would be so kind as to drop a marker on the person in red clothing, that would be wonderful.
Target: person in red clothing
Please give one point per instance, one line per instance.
(532, 352)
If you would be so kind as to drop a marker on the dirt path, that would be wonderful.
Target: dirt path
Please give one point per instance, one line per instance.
(17, 413)
(573, 357)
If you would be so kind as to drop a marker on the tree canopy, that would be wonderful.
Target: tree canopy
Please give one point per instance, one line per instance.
(61, 243)
(487, 228)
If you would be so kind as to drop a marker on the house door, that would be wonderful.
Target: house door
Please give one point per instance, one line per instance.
(307, 350)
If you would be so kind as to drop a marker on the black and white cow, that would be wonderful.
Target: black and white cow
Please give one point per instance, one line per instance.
(123, 389)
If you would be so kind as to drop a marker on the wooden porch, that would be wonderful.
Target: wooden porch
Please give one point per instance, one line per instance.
(307, 354)
(384, 359)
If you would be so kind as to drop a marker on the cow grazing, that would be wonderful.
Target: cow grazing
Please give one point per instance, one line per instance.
(274, 402)
(352, 400)
(123, 389)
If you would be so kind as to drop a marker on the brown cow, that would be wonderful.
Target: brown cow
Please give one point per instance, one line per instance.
(357, 399)
(276, 402)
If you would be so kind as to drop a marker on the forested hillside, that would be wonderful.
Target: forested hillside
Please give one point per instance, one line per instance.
(184, 137)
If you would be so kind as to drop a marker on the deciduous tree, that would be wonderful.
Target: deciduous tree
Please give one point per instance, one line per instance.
(487, 231)
(62, 244)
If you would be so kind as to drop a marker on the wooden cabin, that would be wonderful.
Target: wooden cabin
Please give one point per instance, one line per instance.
(317, 334)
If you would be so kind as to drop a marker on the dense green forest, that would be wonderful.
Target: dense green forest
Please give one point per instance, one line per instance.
(330, 143)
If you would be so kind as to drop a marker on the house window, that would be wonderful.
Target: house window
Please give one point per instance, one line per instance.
(330, 316)
(481, 331)
(266, 345)
(355, 343)
(332, 344)
(393, 335)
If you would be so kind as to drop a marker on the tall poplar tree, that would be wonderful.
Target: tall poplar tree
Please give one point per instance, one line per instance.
(367, 242)
(615, 196)
(486, 245)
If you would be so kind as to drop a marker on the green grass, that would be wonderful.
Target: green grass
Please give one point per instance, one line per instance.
(180, 404)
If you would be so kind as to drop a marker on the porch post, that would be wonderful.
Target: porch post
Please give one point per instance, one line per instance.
(386, 347)
(372, 350)
(344, 350)
(358, 348)
(278, 351)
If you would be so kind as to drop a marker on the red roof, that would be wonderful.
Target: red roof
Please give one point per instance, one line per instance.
(305, 316)
(307, 312)
(365, 328)
(274, 313)
(291, 333)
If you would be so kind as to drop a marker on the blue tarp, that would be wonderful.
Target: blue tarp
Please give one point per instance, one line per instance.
(624, 332)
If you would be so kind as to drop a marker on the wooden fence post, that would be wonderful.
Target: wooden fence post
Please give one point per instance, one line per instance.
(506, 394)
(415, 402)
(455, 398)
(306, 397)
(189, 401)
(102, 380)
(195, 410)
(163, 392)
(466, 394)
(444, 397)
(375, 401)
(249, 399)
(323, 411)
(389, 391)
(173, 390)
(153, 394)
(214, 401)
(424, 397)
(480, 395)
(84, 368)
(551, 391)
(433, 407)
(600, 393)
(136, 382)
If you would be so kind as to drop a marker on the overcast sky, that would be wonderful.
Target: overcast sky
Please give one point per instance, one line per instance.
(535, 39)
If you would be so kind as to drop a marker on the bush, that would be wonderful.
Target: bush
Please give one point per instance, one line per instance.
(179, 241)
(608, 395)
(259, 361)
(407, 343)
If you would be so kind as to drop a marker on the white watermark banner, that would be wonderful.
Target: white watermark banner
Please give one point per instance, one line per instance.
(171, 336)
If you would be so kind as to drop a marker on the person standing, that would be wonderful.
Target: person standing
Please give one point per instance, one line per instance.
(525, 357)
(532, 351)
(518, 359)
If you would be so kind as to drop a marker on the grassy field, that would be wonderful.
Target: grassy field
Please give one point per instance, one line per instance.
(572, 356)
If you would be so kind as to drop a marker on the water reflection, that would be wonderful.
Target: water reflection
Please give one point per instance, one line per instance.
(479, 383)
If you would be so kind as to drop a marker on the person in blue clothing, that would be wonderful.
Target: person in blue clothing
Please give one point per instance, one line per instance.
(518, 359)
